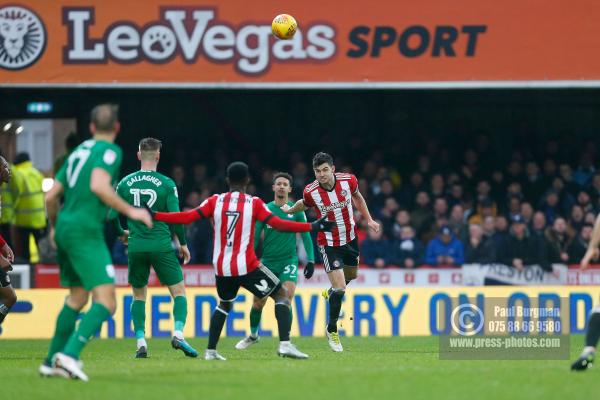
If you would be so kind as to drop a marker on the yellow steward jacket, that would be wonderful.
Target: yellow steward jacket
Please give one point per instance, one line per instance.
(9, 197)
(30, 211)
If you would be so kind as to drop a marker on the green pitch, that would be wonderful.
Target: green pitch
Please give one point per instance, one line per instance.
(370, 368)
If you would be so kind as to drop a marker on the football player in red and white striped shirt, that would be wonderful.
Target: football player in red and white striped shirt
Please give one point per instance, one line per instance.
(234, 215)
(333, 195)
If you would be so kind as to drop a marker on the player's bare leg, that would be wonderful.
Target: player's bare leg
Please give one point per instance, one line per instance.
(65, 325)
(338, 285)
(179, 316)
(284, 323)
(255, 314)
(138, 316)
(350, 274)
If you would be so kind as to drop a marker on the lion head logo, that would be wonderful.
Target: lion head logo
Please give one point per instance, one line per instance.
(22, 37)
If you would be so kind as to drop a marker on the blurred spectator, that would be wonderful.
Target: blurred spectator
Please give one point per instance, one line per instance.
(576, 219)
(566, 173)
(178, 176)
(514, 206)
(375, 250)
(470, 168)
(558, 241)
(549, 206)
(580, 243)
(526, 212)
(585, 170)
(457, 222)
(387, 214)
(514, 172)
(386, 191)
(538, 225)
(401, 220)
(408, 251)
(519, 249)
(437, 186)
(501, 231)
(594, 189)
(585, 201)
(489, 227)
(445, 249)
(421, 216)
(485, 208)
(565, 199)
(550, 171)
(440, 208)
(483, 191)
(30, 210)
(589, 218)
(534, 184)
(457, 195)
(479, 249)
(409, 191)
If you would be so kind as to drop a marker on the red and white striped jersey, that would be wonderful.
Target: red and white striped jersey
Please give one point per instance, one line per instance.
(337, 205)
(234, 215)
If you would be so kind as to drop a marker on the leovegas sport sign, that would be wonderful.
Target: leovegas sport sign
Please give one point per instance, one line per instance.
(228, 43)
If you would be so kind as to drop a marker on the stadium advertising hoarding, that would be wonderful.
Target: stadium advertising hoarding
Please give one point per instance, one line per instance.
(226, 43)
(367, 311)
(47, 276)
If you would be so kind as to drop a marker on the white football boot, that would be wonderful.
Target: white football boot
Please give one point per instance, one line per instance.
(287, 349)
(210, 355)
(333, 338)
(247, 342)
(70, 365)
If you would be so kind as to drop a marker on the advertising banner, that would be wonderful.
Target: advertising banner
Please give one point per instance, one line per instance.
(186, 43)
(366, 311)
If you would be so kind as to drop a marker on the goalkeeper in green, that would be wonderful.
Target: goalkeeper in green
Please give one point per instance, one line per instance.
(279, 253)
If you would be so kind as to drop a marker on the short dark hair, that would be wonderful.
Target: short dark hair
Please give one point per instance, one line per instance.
(238, 172)
(105, 117)
(283, 175)
(322, 158)
(150, 144)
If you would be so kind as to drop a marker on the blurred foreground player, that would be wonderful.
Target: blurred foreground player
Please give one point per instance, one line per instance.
(8, 297)
(586, 359)
(234, 215)
(86, 182)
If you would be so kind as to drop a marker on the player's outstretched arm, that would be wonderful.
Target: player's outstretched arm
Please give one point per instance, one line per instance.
(592, 250)
(321, 224)
(361, 206)
(100, 185)
(297, 207)
(182, 217)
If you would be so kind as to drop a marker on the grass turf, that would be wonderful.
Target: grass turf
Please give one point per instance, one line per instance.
(370, 368)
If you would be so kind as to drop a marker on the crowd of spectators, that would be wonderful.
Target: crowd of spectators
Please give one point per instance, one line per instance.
(534, 208)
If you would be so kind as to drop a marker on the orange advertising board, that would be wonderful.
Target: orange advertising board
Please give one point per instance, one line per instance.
(229, 42)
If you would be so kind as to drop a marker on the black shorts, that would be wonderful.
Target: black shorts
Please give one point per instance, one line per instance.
(261, 282)
(4, 278)
(340, 256)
